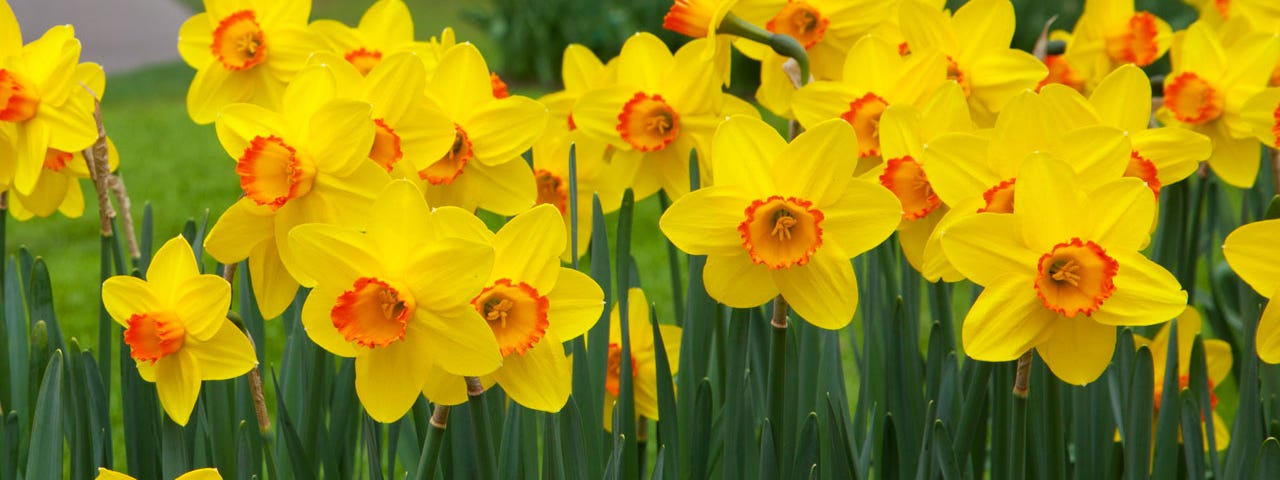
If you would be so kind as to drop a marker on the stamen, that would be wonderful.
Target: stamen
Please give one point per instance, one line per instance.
(1075, 277)
(647, 122)
(801, 21)
(238, 42)
(552, 190)
(781, 232)
(447, 169)
(516, 313)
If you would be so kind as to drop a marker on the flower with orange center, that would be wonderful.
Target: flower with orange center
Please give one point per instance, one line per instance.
(1061, 272)
(1251, 252)
(1060, 69)
(784, 219)
(1262, 112)
(176, 327)
(1217, 359)
(244, 51)
(393, 292)
(1205, 93)
(644, 366)
(385, 29)
(1109, 34)
(306, 164)
(532, 305)
(696, 18)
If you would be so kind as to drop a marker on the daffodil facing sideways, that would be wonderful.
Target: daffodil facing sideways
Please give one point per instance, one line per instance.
(784, 219)
(1217, 359)
(644, 367)
(1251, 252)
(1061, 272)
(1109, 34)
(532, 305)
(244, 51)
(395, 294)
(199, 474)
(176, 327)
(385, 29)
(482, 168)
(697, 18)
(1205, 92)
(306, 164)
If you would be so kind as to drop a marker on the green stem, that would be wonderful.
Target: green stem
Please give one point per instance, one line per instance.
(777, 372)
(1018, 440)
(488, 466)
(781, 44)
(431, 448)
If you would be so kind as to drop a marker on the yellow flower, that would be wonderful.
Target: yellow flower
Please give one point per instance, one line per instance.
(175, 324)
(200, 474)
(1110, 34)
(532, 305)
(784, 219)
(644, 367)
(1262, 113)
(1061, 272)
(1217, 358)
(1251, 252)
(696, 18)
(1205, 92)
(244, 51)
(307, 164)
(1060, 70)
(394, 295)
(385, 29)
(482, 167)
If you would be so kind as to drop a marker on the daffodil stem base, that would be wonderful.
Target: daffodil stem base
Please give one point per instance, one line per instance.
(431, 448)
(1018, 425)
(777, 374)
(487, 464)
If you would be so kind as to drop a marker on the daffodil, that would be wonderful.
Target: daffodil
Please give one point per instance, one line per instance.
(394, 294)
(532, 306)
(199, 474)
(1060, 70)
(1061, 272)
(975, 42)
(1262, 113)
(1110, 33)
(482, 167)
(696, 18)
(306, 164)
(1251, 252)
(176, 327)
(1205, 92)
(784, 219)
(1217, 358)
(644, 367)
(244, 51)
(385, 29)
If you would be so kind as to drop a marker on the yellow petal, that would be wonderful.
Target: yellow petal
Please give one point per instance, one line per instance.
(1201, 52)
(691, 85)
(389, 20)
(736, 282)
(927, 28)
(1079, 349)
(1145, 293)
(226, 355)
(987, 26)
(1176, 152)
(824, 291)
(1047, 200)
(596, 113)
(399, 224)
(815, 164)
(10, 32)
(178, 383)
(956, 165)
(463, 342)
(123, 296)
(643, 60)
(1097, 153)
(202, 303)
(444, 388)
(240, 123)
(1236, 160)
(390, 379)
(454, 222)
(1268, 341)
(201, 474)
(505, 189)
(396, 85)
(72, 127)
(103, 473)
(540, 379)
(31, 145)
(575, 304)
(1123, 99)
(864, 216)
(317, 318)
(705, 222)
(752, 146)
(1259, 114)
(461, 81)
(1217, 356)
(997, 76)
(986, 246)
(449, 273)
(171, 267)
(273, 287)
(900, 132)
(212, 88)
(502, 129)
(527, 249)
(1070, 109)
(1250, 250)
(580, 69)
(1007, 320)
(1123, 214)
(241, 228)
(341, 136)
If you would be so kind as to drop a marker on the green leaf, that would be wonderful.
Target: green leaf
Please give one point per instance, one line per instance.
(1247, 429)
(174, 458)
(1199, 385)
(591, 401)
(246, 465)
(1268, 465)
(41, 297)
(1193, 447)
(373, 446)
(943, 452)
(513, 438)
(1165, 464)
(768, 453)
(1137, 437)
(45, 457)
(701, 425)
(626, 398)
(300, 465)
(1273, 209)
(98, 406)
(577, 465)
(17, 361)
(9, 444)
(668, 420)
(806, 448)
(75, 424)
(841, 446)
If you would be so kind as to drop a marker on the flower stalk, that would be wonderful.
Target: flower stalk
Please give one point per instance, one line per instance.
(1018, 439)
(781, 44)
(435, 439)
(488, 465)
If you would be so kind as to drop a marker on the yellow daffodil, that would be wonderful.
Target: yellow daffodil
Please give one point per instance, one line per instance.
(696, 18)
(176, 327)
(1205, 92)
(1060, 70)
(1061, 272)
(1217, 357)
(1263, 14)
(385, 29)
(532, 305)
(307, 164)
(1110, 33)
(482, 167)
(975, 42)
(784, 219)
(200, 474)
(1251, 252)
(644, 367)
(1262, 113)
(244, 51)
(395, 295)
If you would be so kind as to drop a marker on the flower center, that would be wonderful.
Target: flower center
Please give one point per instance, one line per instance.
(363, 59)
(999, 198)
(1141, 168)
(1075, 277)
(445, 170)
(238, 41)
(56, 160)
(272, 172)
(552, 189)
(864, 114)
(613, 374)
(373, 313)
(1192, 99)
(801, 21)
(516, 313)
(498, 86)
(648, 123)
(386, 145)
(18, 97)
(1060, 72)
(954, 73)
(781, 232)
(154, 335)
(906, 179)
(1136, 44)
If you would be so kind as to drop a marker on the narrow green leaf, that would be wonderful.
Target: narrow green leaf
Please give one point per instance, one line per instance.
(1137, 438)
(1268, 462)
(45, 457)
(1193, 447)
(18, 359)
(9, 444)
(668, 420)
(301, 466)
(626, 398)
(768, 453)
(978, 374)
(1247, 429)
(843, 457)
(701, 426)
(1047, 441)
(141, 418)
(888, 457)
(372, 446)
(807, 447)
(98, 406)
(486, 464)
(553, 448)
(1165, 464)
(509, 465)
(905, 395)
(175, 459)
(1273, 209)
(246, 466)
(75, 423)
(41, 296)
(673, 264)
(591, 401)
(659, 464)
(944, 453)
(573, 435)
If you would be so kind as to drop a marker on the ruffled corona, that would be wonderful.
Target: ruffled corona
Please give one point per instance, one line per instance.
(1075, 277)
(154, 335)
(386, 145)
(999, 199)
(56, 160)
(648, 123)
(905, 177)
(613, 373)
(516, 313)
(955, 74)
(1142, 168)
(1137, 44)
(498, 86)
(373, 313)
(1192, 99)
(864, 114)
(552, 190)
(363, 59)
(238, 42)
(801, 21)
(445, 170)
(781, 232)
(689, 17)
(1275, 128)
(18, 97)
(272, 172)
(1060, 72)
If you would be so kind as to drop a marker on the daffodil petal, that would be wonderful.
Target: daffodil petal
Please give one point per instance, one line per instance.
(736, 282)
(451, 273)
(123, 296)
(862, 218)
(528, 248)
(238, 124)
(705, 222)
(1145, 293)
(1123, 214)
(389, 379)
(1079, 349)
(575, 304)
(171, 267)
(201, 474)
(1123, 99)
(463, 342)
(1250, 250)
(461, 81)
(1236, 160)
(986, 246)
(815, 164)
(1176, 152)
(317, 318)
(273, 287)
(240, 229)
(956, 165)
(1007, 320)
(178, 383)
(539, 379)
(202, 303)
(212, 88)
(505, 189)
(753, 147)
(443, 388)
(225, 355)
(824, 291)
(505, 128)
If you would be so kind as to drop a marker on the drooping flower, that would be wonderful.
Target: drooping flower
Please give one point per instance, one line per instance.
(1110, 33)
(1251, 252)
(176, 327)
(784, 219)
(1061, 272)
(385, 29)
(306, 164)
(1217, 359)
(696, 18)
(244, 51)
(395, 294)
(199, 474)
(644, 367)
